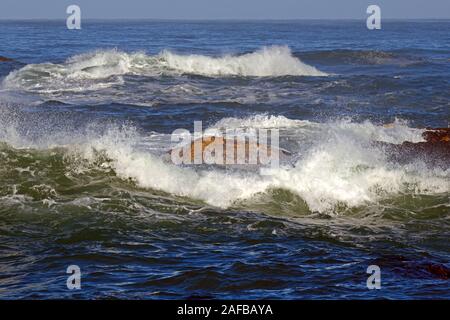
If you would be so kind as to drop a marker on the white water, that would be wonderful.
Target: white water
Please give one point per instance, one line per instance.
(101, 69)
(340, 168)
(267, 62)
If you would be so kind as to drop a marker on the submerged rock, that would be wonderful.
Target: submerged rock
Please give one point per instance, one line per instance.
(410, 267)
(4, 59)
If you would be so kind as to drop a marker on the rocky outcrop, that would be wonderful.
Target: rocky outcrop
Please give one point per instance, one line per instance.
(437, 135)
(239, 147)
(435, 150)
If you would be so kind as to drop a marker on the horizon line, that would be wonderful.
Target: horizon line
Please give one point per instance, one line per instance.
(223, 19)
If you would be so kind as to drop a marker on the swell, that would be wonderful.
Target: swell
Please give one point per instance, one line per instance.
(361, 57)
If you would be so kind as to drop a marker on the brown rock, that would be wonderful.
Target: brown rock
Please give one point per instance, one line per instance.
(437, 135)
(238, 146)
(438, 270)
(435, 151)
(4, 59)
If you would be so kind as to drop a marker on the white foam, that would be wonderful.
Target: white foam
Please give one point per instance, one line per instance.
(104, 68)
(80, 73)
(261, 121)
(345, 172)
(341, 168)
(396, 132)
(266, 62)
(150, 171)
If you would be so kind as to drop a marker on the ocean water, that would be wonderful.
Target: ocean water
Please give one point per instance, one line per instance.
(86, 118)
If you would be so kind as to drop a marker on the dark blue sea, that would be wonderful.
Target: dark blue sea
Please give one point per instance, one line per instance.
(86, 118)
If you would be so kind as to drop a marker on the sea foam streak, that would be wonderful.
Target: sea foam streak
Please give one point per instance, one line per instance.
(93, 71)
(341, 168)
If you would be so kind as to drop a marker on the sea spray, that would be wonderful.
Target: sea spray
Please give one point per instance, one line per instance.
(104, 68)
(323, 175)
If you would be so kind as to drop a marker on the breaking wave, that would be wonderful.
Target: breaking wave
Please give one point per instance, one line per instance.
(323, 175)
(100, 69)
(267, 62)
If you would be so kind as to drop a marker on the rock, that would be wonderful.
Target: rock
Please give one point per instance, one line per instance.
(438, 270)
(4, 59)
(435, 151)
(437, 135)
(206, 144)
(419, 269)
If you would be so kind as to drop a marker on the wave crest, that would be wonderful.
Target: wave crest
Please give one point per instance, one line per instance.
(266, 62)
(335, 164)
(99, 69)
